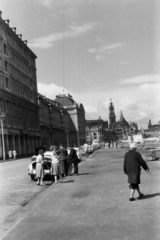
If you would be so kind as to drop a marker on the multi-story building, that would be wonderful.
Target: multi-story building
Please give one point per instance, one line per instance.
(96, 129)
(77, 117)
(18, 92)
(54, 123)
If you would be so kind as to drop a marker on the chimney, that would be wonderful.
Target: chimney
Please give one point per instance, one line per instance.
(20, 36)
(7, 21)
(0, 14)
(14, 29)
(25, 41)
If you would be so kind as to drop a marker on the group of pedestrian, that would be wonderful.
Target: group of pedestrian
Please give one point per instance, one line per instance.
(112, 144)
(12, 154)
(63, 160)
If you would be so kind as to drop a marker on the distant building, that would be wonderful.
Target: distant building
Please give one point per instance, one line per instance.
(77, 118)
(121, 129)
(152, 131)
(18, 92)
(96, 129)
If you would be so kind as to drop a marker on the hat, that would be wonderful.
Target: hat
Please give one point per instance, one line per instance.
(133, 145)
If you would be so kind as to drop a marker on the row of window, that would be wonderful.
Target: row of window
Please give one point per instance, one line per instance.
(14, 58)
(20, 89)
(95, 134)
(18, 74)
(20, 48)
(18, 116)
(53, 116)
(118, 130)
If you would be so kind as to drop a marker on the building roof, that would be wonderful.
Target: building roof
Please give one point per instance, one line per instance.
(122, 121)
(65, 100)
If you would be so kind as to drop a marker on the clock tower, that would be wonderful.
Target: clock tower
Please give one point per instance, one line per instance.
(112, 116)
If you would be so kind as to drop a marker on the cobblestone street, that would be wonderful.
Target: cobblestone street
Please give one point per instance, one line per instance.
(16, 187)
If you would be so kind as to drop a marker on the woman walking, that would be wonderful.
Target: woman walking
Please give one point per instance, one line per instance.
(133, 162)
(40, 168)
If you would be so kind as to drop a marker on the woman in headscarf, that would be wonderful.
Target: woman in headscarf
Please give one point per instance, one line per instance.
(133, 162)
(40, 168)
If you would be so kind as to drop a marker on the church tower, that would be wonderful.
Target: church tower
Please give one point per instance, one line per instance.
(149, 124)
(112, 116)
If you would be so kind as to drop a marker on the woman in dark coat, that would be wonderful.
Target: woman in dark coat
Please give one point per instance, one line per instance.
(133, 162)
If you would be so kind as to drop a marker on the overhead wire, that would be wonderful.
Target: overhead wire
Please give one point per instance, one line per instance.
(93, 74)
(63, 61)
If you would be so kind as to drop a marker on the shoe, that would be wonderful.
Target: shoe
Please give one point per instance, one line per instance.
(141, 196)
(38, 183)
(42, 184)
(55, 182)
(132, 199)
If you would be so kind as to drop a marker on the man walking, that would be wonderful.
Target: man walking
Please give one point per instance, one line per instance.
(133, 162)
(74, 159)
(63, 155)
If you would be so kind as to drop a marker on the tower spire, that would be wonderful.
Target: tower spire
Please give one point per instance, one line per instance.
(121, 115)
(112, 117)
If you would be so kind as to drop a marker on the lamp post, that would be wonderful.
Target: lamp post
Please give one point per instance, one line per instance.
(67, 137)
(3, 117)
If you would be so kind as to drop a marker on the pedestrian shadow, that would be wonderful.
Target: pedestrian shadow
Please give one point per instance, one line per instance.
(150, 196)
(79, 174)
(68, 181)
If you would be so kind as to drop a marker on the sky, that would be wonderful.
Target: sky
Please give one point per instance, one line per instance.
(97, 51)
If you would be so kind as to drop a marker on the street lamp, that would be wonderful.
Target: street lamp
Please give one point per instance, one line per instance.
(66, 131)
(3, 117)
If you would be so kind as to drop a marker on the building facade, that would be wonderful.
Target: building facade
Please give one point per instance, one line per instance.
(77, 118)
(18, 92)
(96, 129)
(54, 123)
(119, 130)
(152, 131)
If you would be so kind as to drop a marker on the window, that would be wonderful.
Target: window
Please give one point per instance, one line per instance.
(5, 48)
(6, 65)
(7, 83)
(31, 96)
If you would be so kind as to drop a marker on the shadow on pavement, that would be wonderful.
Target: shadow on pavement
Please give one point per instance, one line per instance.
(69, 181)
(150, 196)
(79, 174)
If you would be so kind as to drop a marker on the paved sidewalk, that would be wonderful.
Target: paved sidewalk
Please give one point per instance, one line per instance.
(93, 205)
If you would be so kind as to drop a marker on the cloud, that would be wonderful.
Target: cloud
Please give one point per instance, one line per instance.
(48, 41)
(139, 103)
(152, 78)
(99, 57)
(50, 90)
(46, 3)
(125, 62)
(105, 48)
